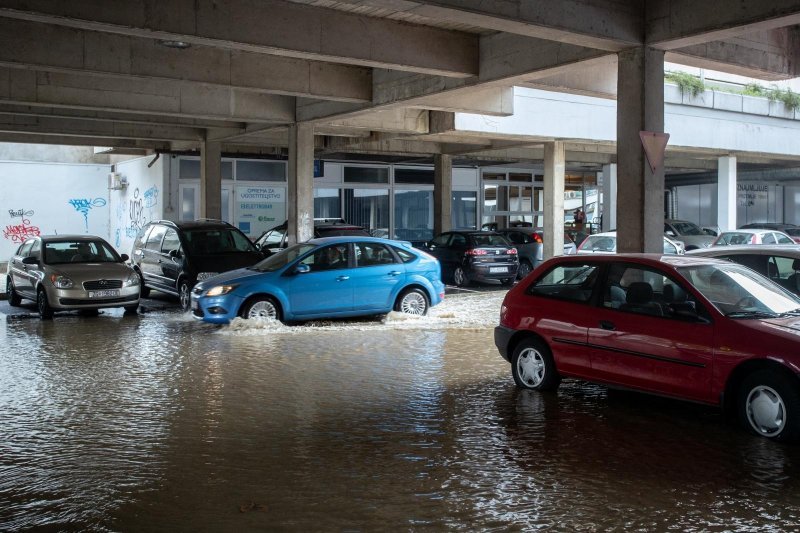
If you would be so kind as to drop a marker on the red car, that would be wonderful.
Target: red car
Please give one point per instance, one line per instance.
(693, 328)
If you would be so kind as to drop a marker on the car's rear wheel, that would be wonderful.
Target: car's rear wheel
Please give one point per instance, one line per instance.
(261, 307)
(412, 302)
(14, 299)
(525, 268)
(532, 366)
(460, 277)
(184, 294)
(43, 305)
(769, 405)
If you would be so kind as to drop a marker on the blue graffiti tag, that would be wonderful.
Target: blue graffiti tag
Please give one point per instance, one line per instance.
(84, 205)
(151, 197)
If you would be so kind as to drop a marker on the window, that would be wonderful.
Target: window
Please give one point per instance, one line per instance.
(458, 241)
(260, 171)
(327, 203)
(413, 176)
(413, 215)
(572, 281)
(441, 240)
(171, 242)
(35, 249)
(25, 249)
(405, 255)
(329, 258)
(768, 238)
(366, 175)
(141, 237)
(154, 239)
(783, 239)
(274, 237)
(368, 208)
(373, 253)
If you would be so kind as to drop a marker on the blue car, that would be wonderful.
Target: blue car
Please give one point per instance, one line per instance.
(324, 278)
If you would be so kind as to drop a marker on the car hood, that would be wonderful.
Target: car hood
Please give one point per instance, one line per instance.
(239, 275)
(789, 325)
(224, 262)
(80, 272)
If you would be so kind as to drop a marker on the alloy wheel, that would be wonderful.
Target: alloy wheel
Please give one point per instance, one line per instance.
(414, 303)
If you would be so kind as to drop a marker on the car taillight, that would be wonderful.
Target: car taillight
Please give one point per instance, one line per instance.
(511, 251)
(476, 251)
(537, 238)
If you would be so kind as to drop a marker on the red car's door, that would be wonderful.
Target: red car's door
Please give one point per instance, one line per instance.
(638, 341)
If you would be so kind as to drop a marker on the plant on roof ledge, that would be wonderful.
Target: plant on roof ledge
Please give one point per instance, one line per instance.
(687, 83)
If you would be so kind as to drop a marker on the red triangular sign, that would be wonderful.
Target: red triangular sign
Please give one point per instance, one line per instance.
(654, 144)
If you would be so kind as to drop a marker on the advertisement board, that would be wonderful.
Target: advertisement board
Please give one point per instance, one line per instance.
(259, 209)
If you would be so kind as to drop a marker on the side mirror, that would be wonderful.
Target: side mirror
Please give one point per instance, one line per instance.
(124, 257)
(30, 260)
(302, 269)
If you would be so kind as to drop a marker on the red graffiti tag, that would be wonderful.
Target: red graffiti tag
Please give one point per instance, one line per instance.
(20, 232)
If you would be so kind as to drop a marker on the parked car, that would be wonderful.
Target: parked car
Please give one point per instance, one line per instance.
(692, 235)
(471, 255)
(276, 239)
(792, 230)
(172, 256)
(781, 264)
(687, 327)
(606, 243)
(530, 248)
(325, 278)
(68, 272)
(752, 236)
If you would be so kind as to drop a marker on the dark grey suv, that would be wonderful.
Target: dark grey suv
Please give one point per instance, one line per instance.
(172, 256)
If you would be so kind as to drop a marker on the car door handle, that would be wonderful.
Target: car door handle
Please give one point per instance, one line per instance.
(605, 324)
(342, 278)
(395, 273)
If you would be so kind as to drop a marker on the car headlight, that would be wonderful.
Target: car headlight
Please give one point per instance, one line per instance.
(61, 281)
(219, 290)
(133, 279)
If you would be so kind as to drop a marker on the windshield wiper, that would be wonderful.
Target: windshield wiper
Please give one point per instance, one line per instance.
(751, 314)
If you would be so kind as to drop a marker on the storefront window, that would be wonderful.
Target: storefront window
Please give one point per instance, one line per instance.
(413, 215)
(327, 203)
(366, 175)
(465, 210)
(368, 208)
(260, 171)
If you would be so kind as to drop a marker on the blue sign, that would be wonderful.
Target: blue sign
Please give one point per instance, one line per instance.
(244, 226)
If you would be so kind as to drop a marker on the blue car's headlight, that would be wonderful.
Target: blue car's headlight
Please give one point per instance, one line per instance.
(219, 290)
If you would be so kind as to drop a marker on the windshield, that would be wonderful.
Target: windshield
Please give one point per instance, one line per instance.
(687, 228)
(217, 241)
(599, 243)
(284, 257)
(79, 251)
(738, 292)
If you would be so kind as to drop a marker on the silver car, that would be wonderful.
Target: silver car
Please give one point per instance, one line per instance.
(66, 272)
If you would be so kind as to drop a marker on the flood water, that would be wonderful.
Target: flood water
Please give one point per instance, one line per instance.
(156, 422)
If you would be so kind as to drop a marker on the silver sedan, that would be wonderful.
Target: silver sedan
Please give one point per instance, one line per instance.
(63, 272)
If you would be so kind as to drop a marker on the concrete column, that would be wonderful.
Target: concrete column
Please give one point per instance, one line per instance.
(554, 167)
(640, 107)
(726, 193)
(300, 201)
(442, 193)
(210, 180)
(609, 197)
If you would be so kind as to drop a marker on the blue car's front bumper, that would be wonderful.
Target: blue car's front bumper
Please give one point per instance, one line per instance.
(216, 309)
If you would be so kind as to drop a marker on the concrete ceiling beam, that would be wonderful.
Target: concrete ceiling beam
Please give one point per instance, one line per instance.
(70, 140)
(58, 49)
(268, 26)
(178, 99)
(87, 128)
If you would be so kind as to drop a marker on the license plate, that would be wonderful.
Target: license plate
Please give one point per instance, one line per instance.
(103, 294)
(497, 270)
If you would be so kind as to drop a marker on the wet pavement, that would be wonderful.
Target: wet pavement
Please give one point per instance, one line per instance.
(155, 422)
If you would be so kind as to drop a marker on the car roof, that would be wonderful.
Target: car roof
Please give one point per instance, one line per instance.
(673, 260)
(68, 237)
(786, 250)
(320, 241)
(195, 224)
(474, 231)
(752, 231)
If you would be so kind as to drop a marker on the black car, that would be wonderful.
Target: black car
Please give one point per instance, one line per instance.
(172, 256)
(471, 255)
(275, 239)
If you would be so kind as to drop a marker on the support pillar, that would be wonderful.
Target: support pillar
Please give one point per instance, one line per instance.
(210, 180)
(726, 193)
(609, 197)
(554, 168)
(442, 193)
(300, 201)
(640, 107)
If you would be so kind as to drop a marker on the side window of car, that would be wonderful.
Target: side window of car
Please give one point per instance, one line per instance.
(515, 237)
(458, 241)
(36, 249)
(783, 239)
(141, 237)
(25, 249)
(405, 256)
(154, 238)
(441, 240)
(373, 253)
(332, 257)
(171, 243)
(574, 281)
(768, 238)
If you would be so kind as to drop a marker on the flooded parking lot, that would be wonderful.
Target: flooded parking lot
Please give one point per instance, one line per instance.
(158, 422)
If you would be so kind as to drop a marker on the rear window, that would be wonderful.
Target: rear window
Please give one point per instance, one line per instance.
(734, 238)
(599, 243)
(488, 240)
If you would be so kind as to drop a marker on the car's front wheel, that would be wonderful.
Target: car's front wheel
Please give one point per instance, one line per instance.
(131, 309)
(769, 405)
(532, 366)
(14, 299)
(184, 294)
(43, 305)
(263, 307)
(525, 268)
(460, 277)
(412, 302)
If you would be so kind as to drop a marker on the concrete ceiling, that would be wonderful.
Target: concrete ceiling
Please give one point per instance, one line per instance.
(379, 77)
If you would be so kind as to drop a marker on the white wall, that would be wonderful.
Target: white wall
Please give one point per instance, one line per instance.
(49, 198)
(137, 204)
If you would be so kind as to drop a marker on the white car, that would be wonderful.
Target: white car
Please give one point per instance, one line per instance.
(606, 243)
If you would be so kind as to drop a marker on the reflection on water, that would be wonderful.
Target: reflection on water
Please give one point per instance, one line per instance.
(156, 422)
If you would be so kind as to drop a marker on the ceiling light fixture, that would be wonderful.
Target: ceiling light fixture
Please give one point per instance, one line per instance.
(180, 45)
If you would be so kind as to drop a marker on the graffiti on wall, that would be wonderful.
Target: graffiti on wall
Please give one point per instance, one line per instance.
(138, 211)
(84, 205)
(17, 233)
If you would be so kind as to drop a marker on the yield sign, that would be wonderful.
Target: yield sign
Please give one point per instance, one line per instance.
(654, 145)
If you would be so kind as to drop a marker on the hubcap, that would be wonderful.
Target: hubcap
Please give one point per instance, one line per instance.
(185, 296)
(524, 270)
(459, 276)
(765, 411)
(263, 310)
(530, 367)
(413, 303)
